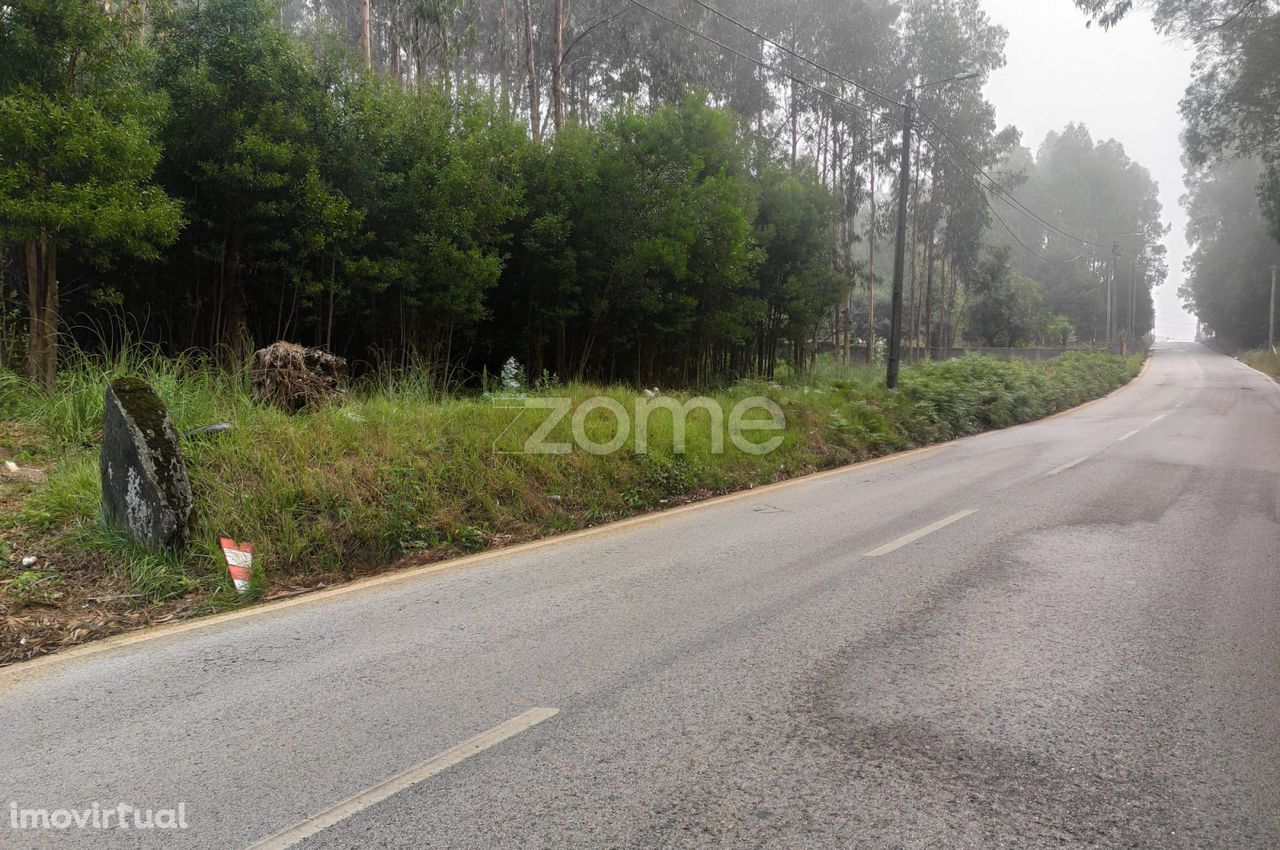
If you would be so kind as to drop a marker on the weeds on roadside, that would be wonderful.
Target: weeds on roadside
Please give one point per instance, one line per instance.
(395, 468)
(1263, 360)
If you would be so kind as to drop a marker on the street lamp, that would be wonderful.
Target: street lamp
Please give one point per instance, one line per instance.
(900, 242)
(958, 78)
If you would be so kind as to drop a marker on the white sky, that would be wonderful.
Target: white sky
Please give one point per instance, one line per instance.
(1123, 84)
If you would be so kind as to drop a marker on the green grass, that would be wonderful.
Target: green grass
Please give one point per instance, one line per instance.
(393, 470)
(1262, 360)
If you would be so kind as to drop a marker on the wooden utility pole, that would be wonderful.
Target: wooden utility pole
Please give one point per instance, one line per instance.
(1133, 301)
(900, 243)
(1271, 324)
(913, 315)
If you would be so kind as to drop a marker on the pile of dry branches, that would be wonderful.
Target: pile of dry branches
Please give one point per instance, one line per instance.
(295, 377)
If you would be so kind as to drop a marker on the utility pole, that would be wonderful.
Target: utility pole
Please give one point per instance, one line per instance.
(1271, 324)
(1133, 301)
(1111, 276)
(900, 243)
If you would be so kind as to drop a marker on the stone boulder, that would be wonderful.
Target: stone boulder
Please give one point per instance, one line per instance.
(294, 377)
(145, 488)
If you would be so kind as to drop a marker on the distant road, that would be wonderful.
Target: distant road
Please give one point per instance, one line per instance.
(1065, 634)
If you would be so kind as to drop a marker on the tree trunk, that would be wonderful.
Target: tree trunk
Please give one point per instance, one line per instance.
(913, 316)
(237, 307)
(42, 310)
(35, 310)
(49, 321)
(795, 24)
(446, 64)
(535, 108)
(504, 76)
(416, 38)
(557, 81)
(366, 28)
(951, 307)
(871, 249)
(928, 295)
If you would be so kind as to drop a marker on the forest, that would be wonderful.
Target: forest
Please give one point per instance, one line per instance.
(682, 194)
(1232, 155)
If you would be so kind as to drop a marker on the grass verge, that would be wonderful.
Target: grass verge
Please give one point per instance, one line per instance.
(393, 473)
(1262, 360)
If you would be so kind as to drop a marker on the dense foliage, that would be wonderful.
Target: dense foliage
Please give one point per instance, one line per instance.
(1093, 191)
(1229, 271)
(1232, 143)
(76, 152)
(380, 179)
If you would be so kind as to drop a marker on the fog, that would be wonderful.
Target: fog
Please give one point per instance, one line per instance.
(1123, 84)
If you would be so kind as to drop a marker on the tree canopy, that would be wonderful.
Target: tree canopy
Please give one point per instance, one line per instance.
(77, 152)
(601, 192)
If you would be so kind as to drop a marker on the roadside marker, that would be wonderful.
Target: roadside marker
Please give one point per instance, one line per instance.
(239, 561)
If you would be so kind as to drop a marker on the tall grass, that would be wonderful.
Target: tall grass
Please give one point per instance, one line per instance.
(393, 469)
(1263, 360)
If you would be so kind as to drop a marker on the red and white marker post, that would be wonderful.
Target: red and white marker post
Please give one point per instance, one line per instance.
(239, 561)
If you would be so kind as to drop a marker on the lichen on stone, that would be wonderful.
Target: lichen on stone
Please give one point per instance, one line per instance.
(156, 503)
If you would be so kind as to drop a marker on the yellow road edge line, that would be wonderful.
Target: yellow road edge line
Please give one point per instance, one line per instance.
(894, 545)
(409, 574)
(356, 803)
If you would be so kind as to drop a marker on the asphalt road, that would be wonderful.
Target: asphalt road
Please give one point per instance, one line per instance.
(1091, 658)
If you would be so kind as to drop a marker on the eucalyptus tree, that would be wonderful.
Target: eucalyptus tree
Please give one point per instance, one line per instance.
(1097, 242)
(1232, 107)
(798, 274)
(1228, 271)
(77, 151)
(242, 148)
(940, 40)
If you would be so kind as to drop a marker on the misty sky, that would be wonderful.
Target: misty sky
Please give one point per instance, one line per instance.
(1123, 84)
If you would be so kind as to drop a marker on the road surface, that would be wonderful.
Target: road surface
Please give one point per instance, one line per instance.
(1065, 634)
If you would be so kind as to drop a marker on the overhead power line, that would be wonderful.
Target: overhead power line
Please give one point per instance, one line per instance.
(1000, 191)
(745, 28)
(995, 187)
(983, 190)
(765, 65)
